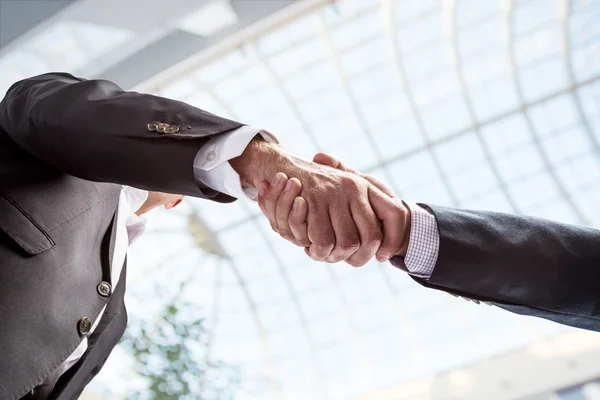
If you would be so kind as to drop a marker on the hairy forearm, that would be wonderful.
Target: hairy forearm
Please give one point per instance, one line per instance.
(261, 160)
(254, 164)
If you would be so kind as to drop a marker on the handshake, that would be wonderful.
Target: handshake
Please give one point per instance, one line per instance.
(334, 212)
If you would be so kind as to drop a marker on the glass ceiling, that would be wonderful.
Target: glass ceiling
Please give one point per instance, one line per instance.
(476, 104)
(63, 46)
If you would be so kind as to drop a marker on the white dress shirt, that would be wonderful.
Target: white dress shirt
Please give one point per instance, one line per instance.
(211, 164)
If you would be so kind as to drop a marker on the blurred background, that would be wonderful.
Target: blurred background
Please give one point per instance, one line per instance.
(481, 104)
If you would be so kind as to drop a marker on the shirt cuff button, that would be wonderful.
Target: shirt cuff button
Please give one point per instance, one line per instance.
(211, 155)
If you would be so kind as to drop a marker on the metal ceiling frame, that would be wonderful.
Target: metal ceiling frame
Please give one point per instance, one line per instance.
(476, 127)
(399, 62)
(549, 167)
(566, 26)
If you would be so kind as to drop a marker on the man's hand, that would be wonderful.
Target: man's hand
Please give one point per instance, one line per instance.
(342, 221)
(277, 202)
(404, 226)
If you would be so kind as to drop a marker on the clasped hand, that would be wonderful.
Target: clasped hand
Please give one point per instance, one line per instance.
(336, 213)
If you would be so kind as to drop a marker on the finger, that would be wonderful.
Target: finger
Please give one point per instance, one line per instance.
(262, 188)
(272, 195)
(326, 159)
(369, 229)
(331, 161)
(347, 239)
(320, 232)
(393, 217)
(284, 207)
(298, 224)
(379, 184)
(307, 251)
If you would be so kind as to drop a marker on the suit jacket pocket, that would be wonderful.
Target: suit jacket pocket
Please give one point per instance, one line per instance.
(22, 229)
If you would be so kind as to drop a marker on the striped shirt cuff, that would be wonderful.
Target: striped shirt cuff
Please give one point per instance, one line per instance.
(423, 245)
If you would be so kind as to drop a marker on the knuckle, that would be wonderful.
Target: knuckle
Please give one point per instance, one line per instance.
(348, 245)
(355, 263)
(336, 257)
(322, 251)
(288, 237)
(351, 183)
(374, 236)
(286, 234)
(397, 212)
(325, 243)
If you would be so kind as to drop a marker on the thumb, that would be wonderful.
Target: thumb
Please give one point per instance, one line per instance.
(379, 184)
(331, 161)
(393, 216)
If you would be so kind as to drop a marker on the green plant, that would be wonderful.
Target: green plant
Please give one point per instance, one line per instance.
(171, 354)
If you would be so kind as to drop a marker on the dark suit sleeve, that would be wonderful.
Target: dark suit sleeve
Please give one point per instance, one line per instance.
(94, 130)
(526, 265)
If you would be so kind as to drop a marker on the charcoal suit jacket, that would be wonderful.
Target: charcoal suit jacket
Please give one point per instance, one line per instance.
(526, 265)
(66, 147)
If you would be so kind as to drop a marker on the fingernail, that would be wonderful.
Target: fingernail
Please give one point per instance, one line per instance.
(261, 190)
(382, 258)
(288, 186)
(276, 180)
(296, 203)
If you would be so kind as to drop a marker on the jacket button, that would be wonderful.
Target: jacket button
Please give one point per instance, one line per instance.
(104, 289)
(171, 129)
(211, 156)
(84, 326)
(161, 127)
(152, 126)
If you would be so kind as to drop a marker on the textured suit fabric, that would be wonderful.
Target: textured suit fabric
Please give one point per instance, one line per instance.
(526, 265)
(66, 147)
(100, 343)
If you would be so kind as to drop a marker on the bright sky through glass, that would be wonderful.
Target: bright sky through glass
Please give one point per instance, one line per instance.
(477, 104)
(63, 46)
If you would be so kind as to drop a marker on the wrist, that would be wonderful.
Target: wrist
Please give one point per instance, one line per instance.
(260, 161)
(407, 222)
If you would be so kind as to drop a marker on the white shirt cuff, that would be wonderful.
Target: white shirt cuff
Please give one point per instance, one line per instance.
(424, 242)
(211, 165)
